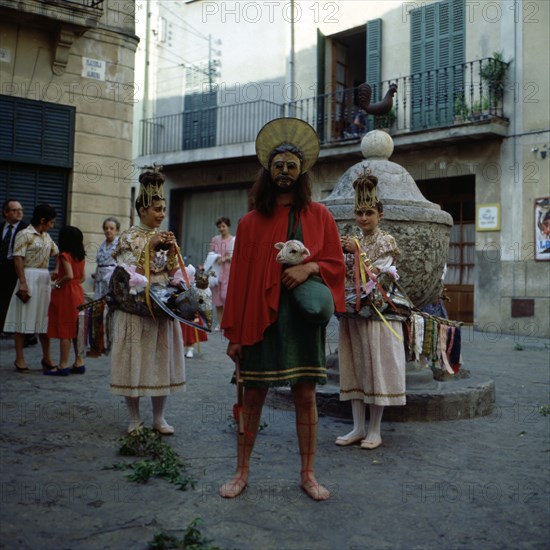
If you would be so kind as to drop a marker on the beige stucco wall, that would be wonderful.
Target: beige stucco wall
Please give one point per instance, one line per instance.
(102, 173)
(534, 90)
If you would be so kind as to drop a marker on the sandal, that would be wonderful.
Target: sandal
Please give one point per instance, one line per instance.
(46, 367)
(56, 371)
(24, 370)
(78, 370)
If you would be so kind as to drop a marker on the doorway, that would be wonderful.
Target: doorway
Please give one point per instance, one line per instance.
(195, 211)
(457, 197)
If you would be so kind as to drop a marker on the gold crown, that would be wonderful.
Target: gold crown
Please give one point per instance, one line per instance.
(151, 184)
(365, 190)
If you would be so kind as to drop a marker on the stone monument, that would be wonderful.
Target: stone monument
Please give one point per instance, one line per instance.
(419, 226)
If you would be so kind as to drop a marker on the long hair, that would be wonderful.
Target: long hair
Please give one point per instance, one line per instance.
(263, 195)
(71, 240)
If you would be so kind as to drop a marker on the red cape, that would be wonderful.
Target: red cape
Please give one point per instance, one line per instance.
(255, 279)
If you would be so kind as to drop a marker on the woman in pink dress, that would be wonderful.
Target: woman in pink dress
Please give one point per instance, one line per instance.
(67, 295)
(222, 245)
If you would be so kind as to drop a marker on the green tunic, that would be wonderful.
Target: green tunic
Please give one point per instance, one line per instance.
(292, 350)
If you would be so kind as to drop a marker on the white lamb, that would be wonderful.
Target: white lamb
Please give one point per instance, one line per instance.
(292, 252)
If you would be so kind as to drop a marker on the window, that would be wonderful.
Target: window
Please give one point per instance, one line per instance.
(36, 132)
(36, 154)
(437, 55)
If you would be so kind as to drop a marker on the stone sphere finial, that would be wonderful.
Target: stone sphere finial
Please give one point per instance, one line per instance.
(377, 144)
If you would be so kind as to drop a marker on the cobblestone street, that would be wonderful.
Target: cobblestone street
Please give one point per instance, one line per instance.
(477, 483)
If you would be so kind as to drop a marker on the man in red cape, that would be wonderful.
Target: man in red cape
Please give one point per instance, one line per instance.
(270, 340)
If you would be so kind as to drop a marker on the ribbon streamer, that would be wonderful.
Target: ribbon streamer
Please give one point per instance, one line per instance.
(387, 324)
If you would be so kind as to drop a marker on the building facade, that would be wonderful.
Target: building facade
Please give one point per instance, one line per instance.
(67, 96)
(470, 122)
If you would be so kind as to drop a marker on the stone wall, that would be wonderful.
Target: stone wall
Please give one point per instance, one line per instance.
(103, 173)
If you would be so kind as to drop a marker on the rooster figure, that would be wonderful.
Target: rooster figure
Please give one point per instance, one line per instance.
(383, 107)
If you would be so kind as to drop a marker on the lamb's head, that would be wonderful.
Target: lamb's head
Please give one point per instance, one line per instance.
(292, 252)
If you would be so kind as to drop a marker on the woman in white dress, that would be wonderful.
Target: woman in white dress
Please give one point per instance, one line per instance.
(28, 310)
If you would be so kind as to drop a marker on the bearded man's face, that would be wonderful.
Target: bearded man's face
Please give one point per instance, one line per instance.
(285, 170)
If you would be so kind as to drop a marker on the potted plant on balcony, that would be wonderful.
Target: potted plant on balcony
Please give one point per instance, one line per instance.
(460, 109)
(493, 74)
(476, 110)
(485, 107)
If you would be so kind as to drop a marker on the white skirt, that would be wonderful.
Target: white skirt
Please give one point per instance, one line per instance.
(372, 362)
(32, 317)
(147, 357)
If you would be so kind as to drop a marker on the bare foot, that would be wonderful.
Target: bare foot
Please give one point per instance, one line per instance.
(313, 488)
(234, 487)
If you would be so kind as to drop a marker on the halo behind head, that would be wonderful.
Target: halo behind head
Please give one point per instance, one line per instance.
(288, 132)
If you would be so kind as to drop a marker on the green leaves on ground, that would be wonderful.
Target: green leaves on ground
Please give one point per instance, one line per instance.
(193, 539)
(159, 459)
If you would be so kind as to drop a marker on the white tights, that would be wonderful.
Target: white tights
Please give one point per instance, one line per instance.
(358, 408)
(158, 403)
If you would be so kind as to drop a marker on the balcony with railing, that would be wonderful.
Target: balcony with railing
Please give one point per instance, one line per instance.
(81, 13)
(467, 96)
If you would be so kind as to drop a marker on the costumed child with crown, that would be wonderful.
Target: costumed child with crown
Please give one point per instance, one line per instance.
(147, 352)
(371, 351)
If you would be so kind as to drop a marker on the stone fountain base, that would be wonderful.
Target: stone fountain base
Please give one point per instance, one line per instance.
(460, 397)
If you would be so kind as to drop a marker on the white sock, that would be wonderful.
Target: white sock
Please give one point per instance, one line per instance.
(158, 403)
(358, 408)
(132, 403)
(375, 412)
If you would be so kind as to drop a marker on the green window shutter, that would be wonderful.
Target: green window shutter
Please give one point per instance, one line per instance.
(437, 46)
(321, 60)
(199, 120)
(416, 41)
(457, 40)
(417, 66)
(458, 35)
(430, 20)
(36, 132)
(374, 57)
(444, 99)
(444, 35)
(36, 154)
(32, 185)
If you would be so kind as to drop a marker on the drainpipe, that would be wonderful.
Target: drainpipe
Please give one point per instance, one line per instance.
(145, 110)
(292, 60)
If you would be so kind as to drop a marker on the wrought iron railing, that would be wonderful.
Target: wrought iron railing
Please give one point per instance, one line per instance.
(96, 4)
(196, 129)
(461, 94)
